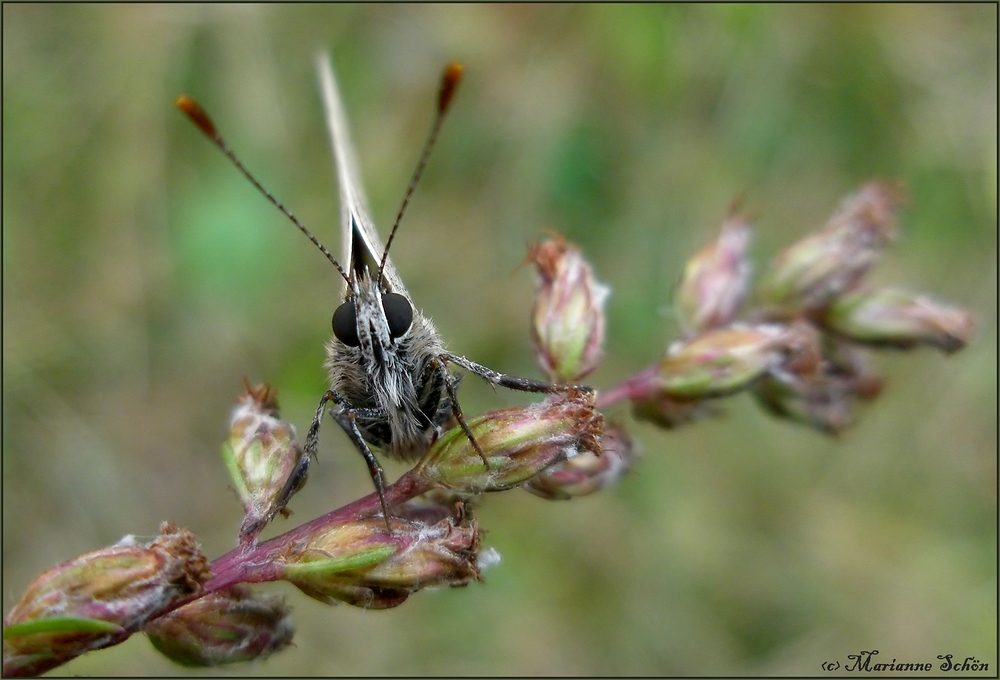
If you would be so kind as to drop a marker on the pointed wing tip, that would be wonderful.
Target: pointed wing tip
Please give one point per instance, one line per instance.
(324, 68)
(322, 59)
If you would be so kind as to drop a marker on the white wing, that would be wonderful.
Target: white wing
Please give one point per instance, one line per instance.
(360, 244)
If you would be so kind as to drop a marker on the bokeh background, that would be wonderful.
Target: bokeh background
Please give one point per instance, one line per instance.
(143, 277)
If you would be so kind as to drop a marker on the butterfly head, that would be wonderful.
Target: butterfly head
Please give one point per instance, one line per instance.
(369, 314)
(373, 315)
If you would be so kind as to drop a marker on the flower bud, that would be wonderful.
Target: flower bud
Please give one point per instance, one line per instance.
(714, 283)
(567, 327)
(519, 443)
(435, 505)
(265, 461)
(852, 365)
(226, 626)
(362, 564)
(660, 409)
(820, 390)
(820, 267)
(98, 599)
(825, 405)
(896, 318)
(587, 472)
(720, 362)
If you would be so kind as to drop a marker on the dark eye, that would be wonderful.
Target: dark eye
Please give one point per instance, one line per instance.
(398, 313)
(345, 324)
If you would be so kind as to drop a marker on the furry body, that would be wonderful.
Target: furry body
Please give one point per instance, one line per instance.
(395, 386)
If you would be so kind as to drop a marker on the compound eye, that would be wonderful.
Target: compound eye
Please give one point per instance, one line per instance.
(398, 313)
(345, 324)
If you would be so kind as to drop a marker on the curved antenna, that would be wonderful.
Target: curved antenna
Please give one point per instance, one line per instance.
(193, 110)
(449, 83)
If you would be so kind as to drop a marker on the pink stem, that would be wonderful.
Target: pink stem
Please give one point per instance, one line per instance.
(257, 563)
(636, 386)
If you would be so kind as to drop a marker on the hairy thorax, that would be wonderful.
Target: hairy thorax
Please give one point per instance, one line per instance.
(399, 396)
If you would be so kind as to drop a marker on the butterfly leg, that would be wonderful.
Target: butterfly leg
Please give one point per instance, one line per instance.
(511, 382)
(456, 410)
(295, 481)
(346, 417)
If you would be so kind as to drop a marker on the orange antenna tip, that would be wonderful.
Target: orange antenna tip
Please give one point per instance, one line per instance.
(449, 83)
(193, 110)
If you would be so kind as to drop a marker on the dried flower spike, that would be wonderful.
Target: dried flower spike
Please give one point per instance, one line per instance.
(362, 564)
(587, 472)
(721, 361)
(658, 408)
(519, 442)
(812, 272)
(826, 405)
(98, 599)
(265, 461)
(896, 318)
(226, 626)
(820, 385)
(715, 280)
(567, 327)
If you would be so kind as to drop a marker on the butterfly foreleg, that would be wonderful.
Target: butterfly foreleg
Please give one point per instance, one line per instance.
(450, 382)
(511, 382)
(346, 417)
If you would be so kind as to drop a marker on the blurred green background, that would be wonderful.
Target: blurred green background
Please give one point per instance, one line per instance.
(143, 277)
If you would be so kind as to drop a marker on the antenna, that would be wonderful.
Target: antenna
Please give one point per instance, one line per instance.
(449, 83)
(198, 116)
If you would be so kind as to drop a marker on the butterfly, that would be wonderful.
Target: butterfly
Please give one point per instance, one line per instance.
(387, 365)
